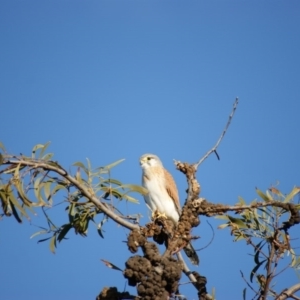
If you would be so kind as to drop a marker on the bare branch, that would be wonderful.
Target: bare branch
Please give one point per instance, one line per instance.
(186, 269)
(288, 293)
(214, 149)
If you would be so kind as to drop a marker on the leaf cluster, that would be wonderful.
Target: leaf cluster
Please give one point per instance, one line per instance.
(265, 227)
(34, 182)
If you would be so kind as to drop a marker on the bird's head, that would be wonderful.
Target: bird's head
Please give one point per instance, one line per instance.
(149, 160)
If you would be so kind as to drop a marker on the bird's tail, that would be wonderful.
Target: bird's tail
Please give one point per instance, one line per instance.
(191, 254)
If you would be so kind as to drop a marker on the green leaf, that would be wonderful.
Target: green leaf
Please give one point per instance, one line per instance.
(16, 173)
(269, 196)
(100, 225)
(262, 195)
(47, 191)
(238, 222)
(78, 176)
(2, 147)
(135, 188)
(35, 148)
(47, 156)
(37, 191)
(257, 250)
(294, 257)
(15, 213)
(222, 217)
(254, 270)
(108, 167)
(222, 226)
(22, 195)
(17, 204)
(129, 198)
(244, 293)
(112, 181)
(89, 166)
(292, 194)
(110, 265)
(57, 188)
(72, 212)
(44, 149)
(5, 202)
(64, 230)
(52, 244)
(38, 233)
(81, 165)
(241, 201)
(11, 170)
(44, 240)
(295, 262)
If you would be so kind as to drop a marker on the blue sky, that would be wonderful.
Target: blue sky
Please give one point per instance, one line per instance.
(116, 79)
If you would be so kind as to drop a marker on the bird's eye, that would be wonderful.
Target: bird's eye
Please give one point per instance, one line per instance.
(148, 158)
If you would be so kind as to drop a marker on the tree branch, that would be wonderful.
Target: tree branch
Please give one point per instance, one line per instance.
(214, 148)
(53, 166)
(288, 293)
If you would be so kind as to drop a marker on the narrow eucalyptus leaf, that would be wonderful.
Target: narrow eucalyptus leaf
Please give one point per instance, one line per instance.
(65, 229)
(292, 194)
(244, 293)
(100, 232)
(47, 191)
(44, 240)
(257, 248)
(89, 164)
(52, 244)
(110, 265)
(135, 188)
(129, 198)
(38, 233)
(35, 148)
(112, 181)
(22, 195)
(81, 165)
(2, 146)
(47, 156)
(15, 213)
(241, 200)
(36, 187)
(222, 226)
(17, 204)
(254, 270)
(57, 188)
(238, 222)
(44, 149)
(224, 217)
(262, 195)
(108, 167)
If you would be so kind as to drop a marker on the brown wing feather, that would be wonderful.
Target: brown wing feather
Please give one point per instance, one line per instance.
(172, 189)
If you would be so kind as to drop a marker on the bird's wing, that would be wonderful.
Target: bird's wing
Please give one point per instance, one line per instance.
(172, 189)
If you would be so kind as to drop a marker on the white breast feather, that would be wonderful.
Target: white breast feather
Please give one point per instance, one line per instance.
(159, 199)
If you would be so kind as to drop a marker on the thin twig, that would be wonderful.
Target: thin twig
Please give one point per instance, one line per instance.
(214, 149)
(249, 285)
(210, 239)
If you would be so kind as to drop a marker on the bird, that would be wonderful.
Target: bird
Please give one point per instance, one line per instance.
(162, 196)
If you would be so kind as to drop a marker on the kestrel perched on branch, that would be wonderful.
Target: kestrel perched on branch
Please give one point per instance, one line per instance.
(162, 194)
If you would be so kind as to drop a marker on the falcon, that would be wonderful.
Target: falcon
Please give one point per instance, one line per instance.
(162, 197)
